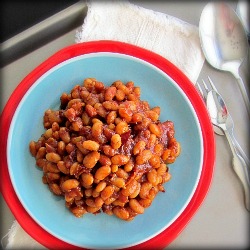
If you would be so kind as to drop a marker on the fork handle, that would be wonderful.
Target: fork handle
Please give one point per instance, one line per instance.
(241, 169)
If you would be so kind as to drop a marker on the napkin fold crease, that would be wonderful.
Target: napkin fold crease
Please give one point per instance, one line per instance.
(123, 21)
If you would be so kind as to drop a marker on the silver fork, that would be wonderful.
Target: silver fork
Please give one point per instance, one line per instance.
(221, 118)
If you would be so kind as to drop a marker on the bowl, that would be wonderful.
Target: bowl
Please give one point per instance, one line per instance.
(162, 84)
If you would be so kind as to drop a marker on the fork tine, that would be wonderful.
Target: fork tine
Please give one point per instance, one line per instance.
(212, 84)
(200, 90)
(205, 86)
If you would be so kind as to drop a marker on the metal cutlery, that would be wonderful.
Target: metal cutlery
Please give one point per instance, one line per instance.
(221, 118)
(224, 41)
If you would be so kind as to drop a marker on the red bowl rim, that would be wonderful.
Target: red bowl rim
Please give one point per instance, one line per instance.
(169, 234)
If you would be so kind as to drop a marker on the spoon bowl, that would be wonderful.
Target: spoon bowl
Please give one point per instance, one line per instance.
(224, 41)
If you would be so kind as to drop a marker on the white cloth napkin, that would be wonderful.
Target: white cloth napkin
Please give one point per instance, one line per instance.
(123, 21)
(166, 35)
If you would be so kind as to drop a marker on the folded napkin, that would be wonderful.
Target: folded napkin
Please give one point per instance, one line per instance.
(123, 21)
(166, 35)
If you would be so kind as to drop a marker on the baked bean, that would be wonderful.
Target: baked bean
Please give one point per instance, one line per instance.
(104, 160)
(119, 159)
(139, 147)
(95, 193)
(118, 203)
(48, 133)
(55, 126)
(80, 147)
(122, 173)
(32, 147)
(99, 86)
(145, 202)
(124, 88)
(155, 161)
(55, 188)
(132, 213)
(170, 159)
(121, 127)
(145, 188)
(100, 186)
(53, 157)
(137, 91)
(114, 168)
(158, 149)
(155, 129)
(61, 147)
(116, 141)
(90, 110)
(108, 150)
(64, 134)
(88, 192)
(90, 202)
(129, 166)
(136, 118)
(152, 177)
(109, 200)
(151, 141)
(91, 159)
(92, 210)
(119, 182)
(156, 110)
(166, 177)
(70, 147)
(87, 179)
(79, 156)
(97, 129)
(111, 117)
(130, 188)
(137, 191)
(52, 167)
(143, 157)
(89, 83)
(105, 150)
(110, 105)
(41, 153)
(136, 206)
(91, 145)
(132, 97)
(162, 169)
(70, 184)
(110, 93)
(120, 95)
(62, 167)
(175, 147)
(41, 163)
(99, 202)
(102, 172)
(152, 115)
(121, 213)
(85, 119)
(118, 120)
(78, 211)
(126, 114)
(107, 192)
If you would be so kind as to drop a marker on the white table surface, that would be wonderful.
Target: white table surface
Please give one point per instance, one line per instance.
(222, 220)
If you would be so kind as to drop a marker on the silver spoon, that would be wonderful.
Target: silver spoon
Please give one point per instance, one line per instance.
(221, 118)
(224, 41)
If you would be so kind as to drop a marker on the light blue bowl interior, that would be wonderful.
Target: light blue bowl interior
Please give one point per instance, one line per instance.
(103, 231)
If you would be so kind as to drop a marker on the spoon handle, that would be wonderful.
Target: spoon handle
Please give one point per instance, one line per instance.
(241, 169)
(244, 93)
